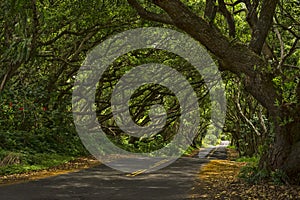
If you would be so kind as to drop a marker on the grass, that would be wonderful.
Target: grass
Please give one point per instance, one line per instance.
(253, 159)
(189, 151)
(231, 147)
(16, 163)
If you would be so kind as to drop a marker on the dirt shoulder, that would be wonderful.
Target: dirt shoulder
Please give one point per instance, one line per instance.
(219, 180)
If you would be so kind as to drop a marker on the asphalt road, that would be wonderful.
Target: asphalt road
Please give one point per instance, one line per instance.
(174, 182)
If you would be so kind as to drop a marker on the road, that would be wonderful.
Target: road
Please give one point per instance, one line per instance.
(174, 182)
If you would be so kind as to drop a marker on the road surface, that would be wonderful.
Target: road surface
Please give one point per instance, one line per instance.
(174, 182)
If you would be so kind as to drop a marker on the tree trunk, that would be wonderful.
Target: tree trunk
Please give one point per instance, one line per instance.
(284, 153)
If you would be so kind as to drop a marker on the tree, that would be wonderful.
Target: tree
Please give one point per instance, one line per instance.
(42, 45)
(246, 121)
(253, 60)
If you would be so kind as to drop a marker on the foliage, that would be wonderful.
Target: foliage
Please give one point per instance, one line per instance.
(252, 174)
(24, 162)
(231, 147)
(253, 160)
(210, 140)
(145, 97)
(42, 46)
(246, 121)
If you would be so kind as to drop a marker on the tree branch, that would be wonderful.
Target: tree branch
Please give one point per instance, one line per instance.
(252, 14)
(210, 10)
(262, 122)
(239, 11)
(208, 35)
(252, 20)
(149, 15)
(83, 32)
(248, 121)
(298, 91)
(228, 16)
(229, 53)
(235, 3)
(281, 47)
(263, 25)
(3, 82)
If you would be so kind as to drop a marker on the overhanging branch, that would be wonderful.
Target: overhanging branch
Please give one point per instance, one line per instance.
(228, 16)
(233, 56)
(263, 25)
(149, 15)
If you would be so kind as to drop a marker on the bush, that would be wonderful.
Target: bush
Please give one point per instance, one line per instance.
(279, 177)
(15, 163)
(253, 175)
(231, 147)
(254, 160)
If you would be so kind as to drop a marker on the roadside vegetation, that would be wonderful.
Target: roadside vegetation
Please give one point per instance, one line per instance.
(238, 178)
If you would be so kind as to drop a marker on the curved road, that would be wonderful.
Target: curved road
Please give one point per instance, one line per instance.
(102, 183)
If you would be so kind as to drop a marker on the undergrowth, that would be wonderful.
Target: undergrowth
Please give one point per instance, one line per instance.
(252, 174)
(16, 163)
